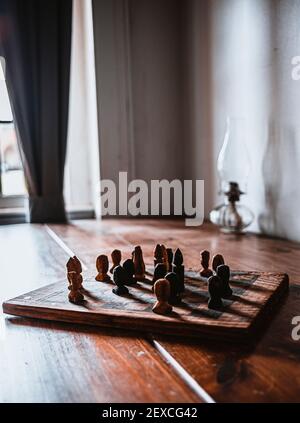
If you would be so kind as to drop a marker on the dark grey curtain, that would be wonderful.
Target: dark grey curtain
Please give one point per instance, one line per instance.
(35, 40)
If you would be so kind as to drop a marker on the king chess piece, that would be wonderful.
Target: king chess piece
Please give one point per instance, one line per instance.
(102, 268)
(75, 296)
(162, 292)
(205, 272)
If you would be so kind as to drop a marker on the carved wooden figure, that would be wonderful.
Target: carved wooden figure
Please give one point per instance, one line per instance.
(102, 268)
(139, 265)
(223, 272)
(174, 288)
(120, 278)
(75, 296)
(128, 266)
(218, 259)
(170, 259)
(158, 254)
(215, 292)
(116, 257)
(178, 268)
(206, 272)
(165, 256)
(74, 265)
(162, 292)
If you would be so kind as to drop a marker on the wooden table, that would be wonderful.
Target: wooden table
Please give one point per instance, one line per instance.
(57, 362)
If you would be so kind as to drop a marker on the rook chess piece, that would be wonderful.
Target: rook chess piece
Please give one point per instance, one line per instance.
(128, 266)
(158, 255)
(223, 272)
(174, 288)
(178, 268)
(170, 259)
(215, 291)
(75, 296)
(218, 259)
(139, 265)
(162, 292)
(116, 257)
(205, 272)
(120, 279)
(102, 267)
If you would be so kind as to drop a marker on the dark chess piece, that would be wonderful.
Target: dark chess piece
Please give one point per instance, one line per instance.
(215, 291)
(74, 265)
(116, 257)
(223, 272)
(205, 272)
(162, 292)
(75, 296)
(102, 268)
(174, 288)
(170, 259)
(218, 259)
(158, 255)
(139, 265)
(165, 256)
(159, 273)
(120, 279)
(178, 268)
(128, 266)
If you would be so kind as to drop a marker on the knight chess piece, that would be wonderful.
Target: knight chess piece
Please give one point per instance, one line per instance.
(75, 296)
(205, 272)
(102, 268)
(74, 265)
(215, 293)
(116, 257)
(170, 259)
(218, 259)
(158, 254)
(120, 279)
(178, 268)
(223, 272)
(139, 265)
(162, 292)
(128, 266)
(174, 288)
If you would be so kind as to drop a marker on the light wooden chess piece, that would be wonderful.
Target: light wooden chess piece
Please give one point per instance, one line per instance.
(102, 267)
(116, 257)
(74, 265)
(139, 265)
(218, 259)
(158, 255)
(165, 257)
(162, 292)
(75, 296)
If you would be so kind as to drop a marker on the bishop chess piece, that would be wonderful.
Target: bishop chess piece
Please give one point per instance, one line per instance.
(116, 257)
(215, 293)
(205, 272)
(218, 259)
(178, 268)
(128, 266)
(170, 259)
(120, 279)
(159, 273)
(174, 288)
(75, 296)
(158, 255)
(74, 265)
(162, 292)
(139, 265)
(102, 268)
(223, 272)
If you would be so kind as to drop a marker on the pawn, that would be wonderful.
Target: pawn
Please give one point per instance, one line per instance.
(178, 268)
(128, 266)
(223, 272)
(215, 291)
(170, 259)
(139, 265)
(102, 267)
(159, 273)
(75, 296)
(116, 257)
(218, 259)
(205, 272)
(120, 278)
(162, 292)
(174, 288)
(158, 255)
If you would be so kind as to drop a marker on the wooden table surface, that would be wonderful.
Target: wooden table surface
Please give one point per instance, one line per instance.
(58, 362)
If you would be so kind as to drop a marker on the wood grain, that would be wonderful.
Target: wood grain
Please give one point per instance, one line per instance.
(267, 371)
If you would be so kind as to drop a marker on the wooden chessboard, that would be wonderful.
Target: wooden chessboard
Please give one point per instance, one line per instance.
(255, 297)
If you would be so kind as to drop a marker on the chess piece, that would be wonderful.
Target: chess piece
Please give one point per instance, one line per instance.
(215, 292)
(162, 292)
(75, 296)
(159, 272)
(206, 272)
(102, 267)
(164, 255)
(128, 266)
(178, 268)
(139, 265)
(120, 279)
(223, 272)
(158, 255)
(174, 288)
(218, 259)
(170, 259)
(116, 257)
(74, 265)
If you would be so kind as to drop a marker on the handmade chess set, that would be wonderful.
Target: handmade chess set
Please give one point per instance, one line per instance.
(159, 298)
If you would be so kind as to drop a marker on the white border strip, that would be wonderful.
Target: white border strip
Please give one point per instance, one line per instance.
(183, 374)
(64, 246)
